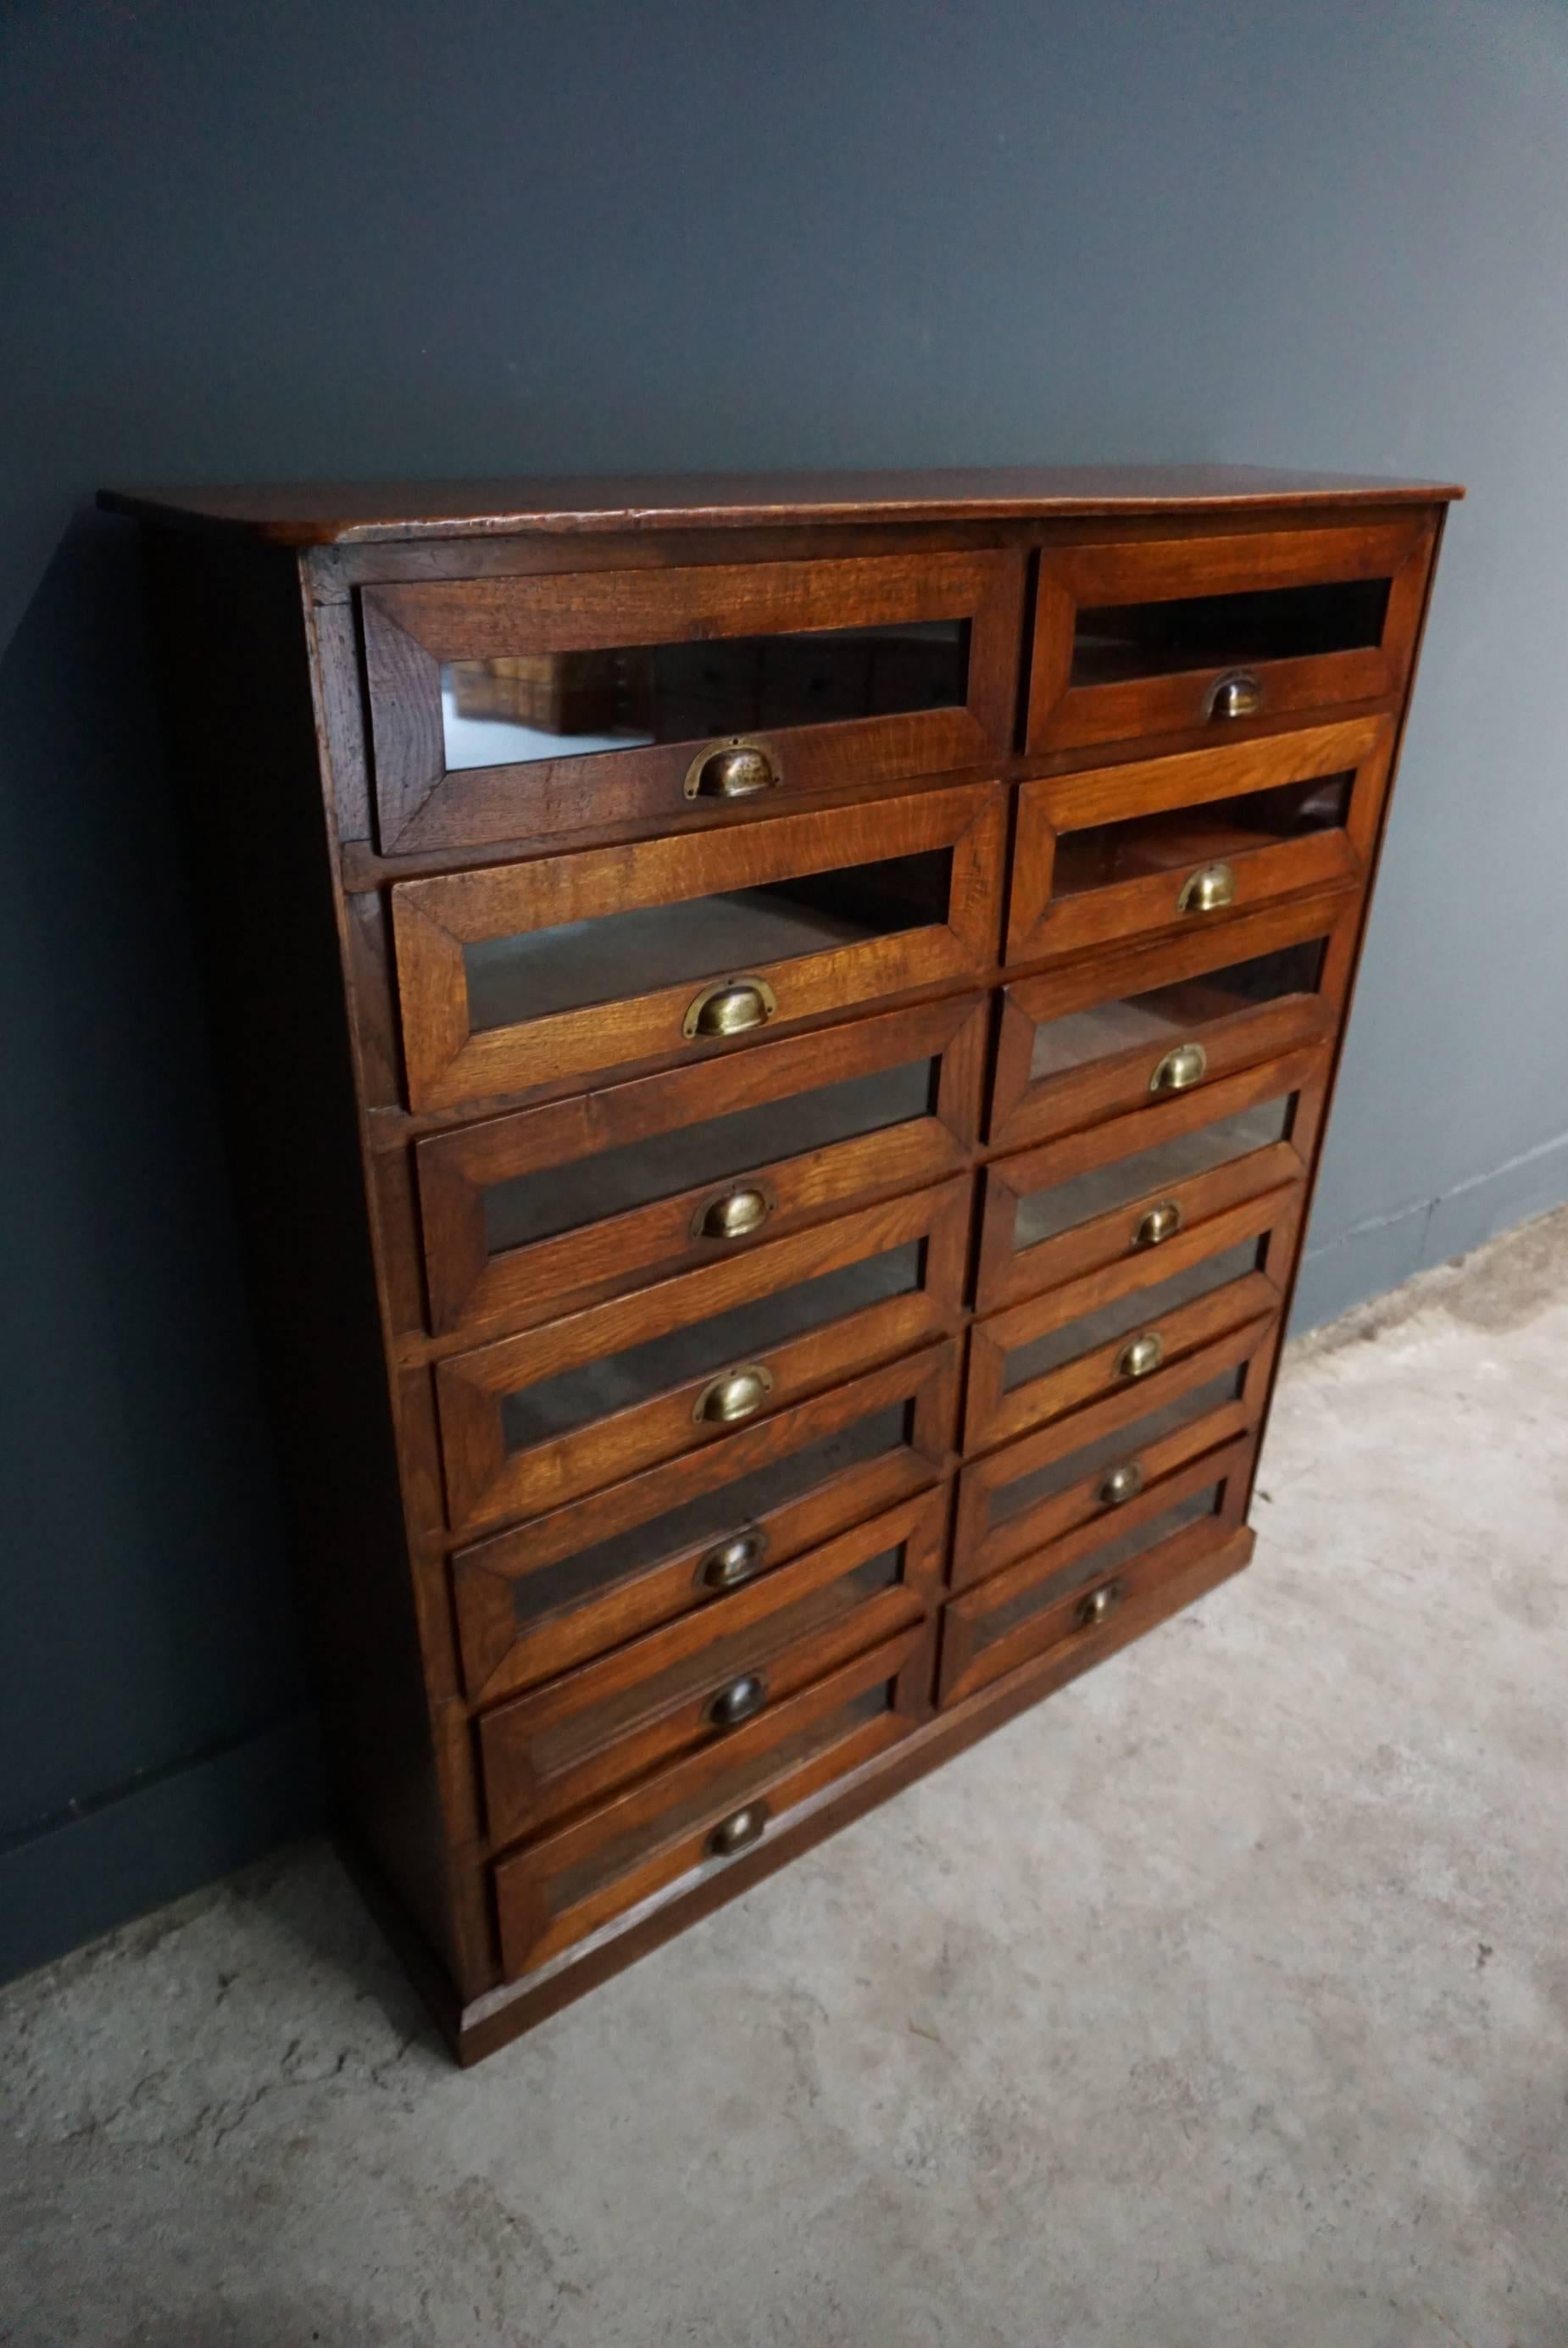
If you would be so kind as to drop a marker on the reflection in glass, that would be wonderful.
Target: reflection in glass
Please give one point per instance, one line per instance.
(1042, 1213)
(537, 1205)
(1115, 1554)
(535, 972)
(568, 704)
(1122, 1443)
(1180, 838)
(1170, 1011)
(1141, 1310)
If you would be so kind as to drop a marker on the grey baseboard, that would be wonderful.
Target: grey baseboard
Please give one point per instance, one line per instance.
(1376, 1257)
(83, 1875)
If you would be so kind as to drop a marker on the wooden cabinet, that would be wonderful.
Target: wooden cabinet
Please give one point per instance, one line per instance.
(777, 1037)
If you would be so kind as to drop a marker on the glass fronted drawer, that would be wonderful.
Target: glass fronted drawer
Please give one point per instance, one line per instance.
(1074, 1591)
(520, 976)
(1111, 1457)
(1117, 1328)
(696, 1682)
(535, 1420)
(1131, 1186)
(1191, 841)
(533, 1601)
(706, 1810)
(1140, 1027)
(525, 1214)
(1150, 635)
(513, 707)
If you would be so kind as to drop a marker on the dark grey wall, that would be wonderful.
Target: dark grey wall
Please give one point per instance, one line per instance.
(339, 237)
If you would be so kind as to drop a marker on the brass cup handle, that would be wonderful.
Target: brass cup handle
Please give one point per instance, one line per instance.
(733, 1562)
(1180, 1070)
(1161, 1223)
(737, 769)
(739, 1829)
(1239, 694)
(1141, 1357)
(730, 1007)
(1100, 1605)
(726, 1400)
(743, 1699)
(1208, 890)
(1122, 1484)
(735, 1216)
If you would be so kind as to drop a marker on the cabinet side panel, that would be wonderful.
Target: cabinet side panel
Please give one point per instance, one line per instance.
(234, 677)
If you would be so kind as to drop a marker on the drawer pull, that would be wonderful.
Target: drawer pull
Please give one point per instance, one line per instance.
(1207, 890)
(734, 1217)
(1144, 1354)
(738, 1394)
(735, 772)
(730, 1008)
(739, 1828)
(1161, 1223)
(1100, 1605)
(733, 1562)
(1180, 1070)
(743, 1699)
(1237, 694)
(1122, 1484)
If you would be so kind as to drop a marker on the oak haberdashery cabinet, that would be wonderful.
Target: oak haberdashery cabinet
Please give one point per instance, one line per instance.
(775, 1037)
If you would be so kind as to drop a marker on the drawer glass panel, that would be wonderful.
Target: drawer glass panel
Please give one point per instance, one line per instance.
(562, 705)
(1168, 1012)
(988, 1628)
(538, 1412)
(1141, 1310)
(1177, 837)
(534, 972)
(621, 1852)
(538, 1205)
(1041, 1214)
(725, 1658)
(712, 1517)
(1116, 642)
(1008, 1500)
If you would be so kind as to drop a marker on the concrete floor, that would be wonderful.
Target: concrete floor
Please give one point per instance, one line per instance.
(1223, 2000)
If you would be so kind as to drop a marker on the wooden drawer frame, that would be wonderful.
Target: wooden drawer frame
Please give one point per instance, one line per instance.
(1150, 569)
(409, 630)
(1040, 925)
(993, 1416)
(498, 1656)
(1028, 1109)
(470, 1289)
(529, 1935)
(487, 1483)
(524, 1793)
(447, 1063)
(963, 1667)
(981, 1548)
(1008, 1274)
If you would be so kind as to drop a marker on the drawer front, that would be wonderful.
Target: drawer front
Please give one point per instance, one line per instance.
(1077, 1588)
(581, 1199)
(507, 708)
(698, 1681)
(534, 1601)
(1190, 841)
(708, 1808)
(525, 975)
(1125, 1326)
(1137, 1029)
(1132, 1185)
(534, 1421)
(1108, 1460)
(1155, 635)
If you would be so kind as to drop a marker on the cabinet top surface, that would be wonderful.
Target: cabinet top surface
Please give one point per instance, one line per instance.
(337, 513)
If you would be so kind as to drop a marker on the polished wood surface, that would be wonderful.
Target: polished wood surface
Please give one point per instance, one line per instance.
(693, 1435)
